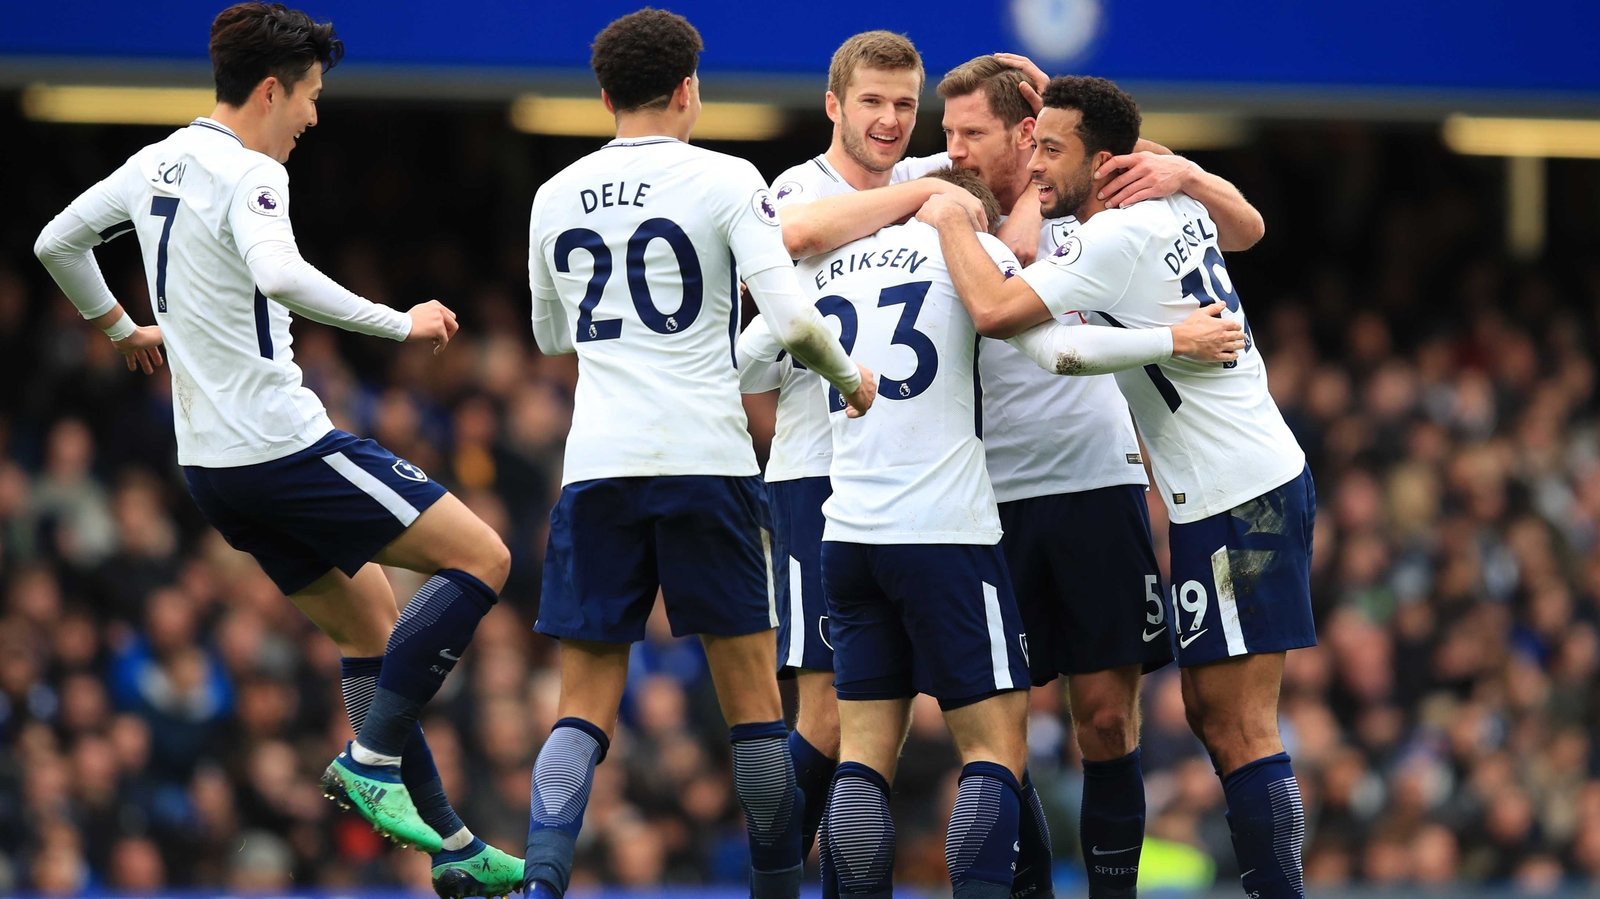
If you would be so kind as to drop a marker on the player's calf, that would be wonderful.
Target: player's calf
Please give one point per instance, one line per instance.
(982, 843)
(562, 778)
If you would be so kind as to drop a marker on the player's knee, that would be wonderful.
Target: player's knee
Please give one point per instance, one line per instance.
(1106, 733)
(496, 561)
(1239, 735)
(486, 559)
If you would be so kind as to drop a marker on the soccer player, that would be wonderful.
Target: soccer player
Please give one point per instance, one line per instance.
(317, 507)
(917, 590)
(636, 251)
(1070, 482)
(1235, 482)
(874, 82)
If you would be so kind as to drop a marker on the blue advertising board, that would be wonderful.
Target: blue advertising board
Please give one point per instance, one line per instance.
(1471, 46)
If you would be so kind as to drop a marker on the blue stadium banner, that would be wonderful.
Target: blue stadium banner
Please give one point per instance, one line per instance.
(1471, 46)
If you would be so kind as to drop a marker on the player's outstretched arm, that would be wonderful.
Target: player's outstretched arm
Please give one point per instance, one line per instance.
(825, 225)
(284, 277)
(999, 306)
(1144, 175)
(1096, 350)
(800, 329)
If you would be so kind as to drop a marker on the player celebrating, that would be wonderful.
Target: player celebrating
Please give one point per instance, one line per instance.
(917, 589)
(1238, 492)
(874, 82)
(660, 486)
(1070, 481)
(314, 505)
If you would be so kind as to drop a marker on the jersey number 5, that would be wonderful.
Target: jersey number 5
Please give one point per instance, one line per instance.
(591, 328)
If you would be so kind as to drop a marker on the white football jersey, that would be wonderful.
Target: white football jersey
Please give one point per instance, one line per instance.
(912, 470)
(1046, 434)
(644, 241)
(801, 444)
(1215, 437)
(199, 202)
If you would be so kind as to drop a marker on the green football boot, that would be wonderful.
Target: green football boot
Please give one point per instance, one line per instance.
(377, 794)
(477, 869)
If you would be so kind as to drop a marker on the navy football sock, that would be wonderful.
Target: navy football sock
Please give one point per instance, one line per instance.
(858, 832)
(358, 680)
(562, 776)
(1269, 827)
(813, 772)
(1111, 825)
(763, 778)
(1035, 855)
(980, 847)
(433, 630)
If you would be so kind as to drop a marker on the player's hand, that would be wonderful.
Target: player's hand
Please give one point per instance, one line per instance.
(861, 400)
(141, 349)
(1143, 176)
(948, 203)
(1206, 337)
(1146, 145)
(1035, 79)
(433, 321)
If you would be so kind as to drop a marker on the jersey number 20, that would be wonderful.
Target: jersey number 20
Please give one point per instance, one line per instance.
(591, 328)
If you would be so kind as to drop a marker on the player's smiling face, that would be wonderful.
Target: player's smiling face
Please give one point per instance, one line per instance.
(1060, 167)
(292, 112)
(977, 140)
(876, 115)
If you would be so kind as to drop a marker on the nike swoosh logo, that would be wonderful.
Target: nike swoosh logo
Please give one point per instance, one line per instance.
(1098, 851)
(1149, 635)
(1183, 642)
(449, 656)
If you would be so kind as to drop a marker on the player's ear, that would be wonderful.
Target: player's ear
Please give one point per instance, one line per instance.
(268, 89)
(830, 104)
(683, 96)
(1025, 131)
(605, 99)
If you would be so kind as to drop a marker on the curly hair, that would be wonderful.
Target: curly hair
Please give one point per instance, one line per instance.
(1110, 117)
(642, 57)
(969, 180)
(250, 41)
(872, 50)
(996, 80)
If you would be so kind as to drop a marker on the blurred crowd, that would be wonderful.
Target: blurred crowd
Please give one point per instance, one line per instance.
(164, 712)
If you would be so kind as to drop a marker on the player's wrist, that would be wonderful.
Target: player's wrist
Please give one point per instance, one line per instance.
(121, 329)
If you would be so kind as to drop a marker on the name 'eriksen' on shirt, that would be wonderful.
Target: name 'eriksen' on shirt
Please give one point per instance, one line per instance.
(900, 257)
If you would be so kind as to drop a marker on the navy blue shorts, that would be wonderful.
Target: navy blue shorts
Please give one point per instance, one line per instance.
(334, 504)
(1088, 587)
(1241, 580)
(797, 520)
(703, 541)
(938, 619)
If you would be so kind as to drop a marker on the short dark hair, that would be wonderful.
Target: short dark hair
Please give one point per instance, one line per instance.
(969, 180)
(1110, 117)
(998, 83)
(642, 57)
(250, 41)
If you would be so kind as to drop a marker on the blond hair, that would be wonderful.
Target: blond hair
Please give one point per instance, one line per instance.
(873, 50)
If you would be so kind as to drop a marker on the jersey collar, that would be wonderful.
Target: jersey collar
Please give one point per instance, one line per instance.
(642, 141)
(214, 125)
